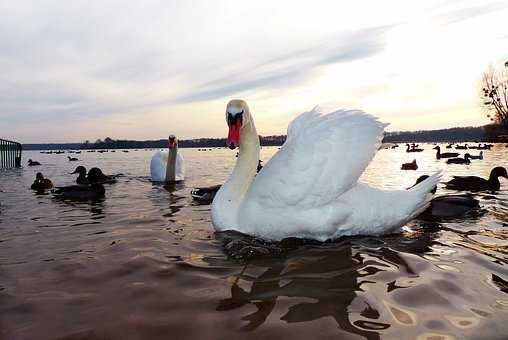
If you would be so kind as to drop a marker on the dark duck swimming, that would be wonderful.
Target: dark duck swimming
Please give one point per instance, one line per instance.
(81, 171)
(409, 166)
(474, 183)
(413, 148)
(82, 192)
(465, 160)
(205, 195)
(440, 155)
(448, 206)
(41, 183)
(101, 177)
(97, 173)
(33, 163)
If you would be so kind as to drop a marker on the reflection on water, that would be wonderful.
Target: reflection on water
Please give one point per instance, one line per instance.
(145, 263)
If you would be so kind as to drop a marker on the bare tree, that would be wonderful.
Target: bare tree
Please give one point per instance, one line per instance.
(495, 95)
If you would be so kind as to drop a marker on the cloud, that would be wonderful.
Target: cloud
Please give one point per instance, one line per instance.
(463, 14)
(295, 67)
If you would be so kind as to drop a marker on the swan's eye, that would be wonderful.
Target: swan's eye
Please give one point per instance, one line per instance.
(234, 118)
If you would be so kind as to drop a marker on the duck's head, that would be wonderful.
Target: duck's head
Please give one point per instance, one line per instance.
(467, 156)
(81, 170)
(30, 161)
(237, 116)
(499, 171)
(95, 172)
(172, 142)
(436, 147)
(39, 176)
(93, 177)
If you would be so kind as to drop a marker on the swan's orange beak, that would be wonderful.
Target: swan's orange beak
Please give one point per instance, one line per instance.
(233, 140)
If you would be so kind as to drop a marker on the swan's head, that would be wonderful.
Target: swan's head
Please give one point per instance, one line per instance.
(237, 116)
(172, 142)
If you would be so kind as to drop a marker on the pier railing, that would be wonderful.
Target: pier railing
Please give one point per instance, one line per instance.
(10, 154)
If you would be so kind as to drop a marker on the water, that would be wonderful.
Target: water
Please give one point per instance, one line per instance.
(145, 263)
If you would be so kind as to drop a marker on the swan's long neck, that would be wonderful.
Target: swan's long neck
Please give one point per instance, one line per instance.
(171, 165)
(229, 198)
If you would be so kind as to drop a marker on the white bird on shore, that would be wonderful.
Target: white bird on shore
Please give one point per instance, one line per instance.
(310, 188)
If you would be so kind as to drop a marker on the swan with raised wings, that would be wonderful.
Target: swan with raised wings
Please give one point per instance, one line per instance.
(310, 187)
(168, 166)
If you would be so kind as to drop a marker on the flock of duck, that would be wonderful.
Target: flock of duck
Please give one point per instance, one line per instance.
(310, 188)
(451, 157)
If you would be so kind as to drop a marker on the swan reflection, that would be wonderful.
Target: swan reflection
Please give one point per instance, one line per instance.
(329, 278)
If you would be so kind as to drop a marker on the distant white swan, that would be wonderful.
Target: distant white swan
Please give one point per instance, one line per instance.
(168, 166)
(310, 187)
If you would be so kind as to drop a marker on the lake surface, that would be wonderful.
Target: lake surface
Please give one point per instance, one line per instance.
(145, 262)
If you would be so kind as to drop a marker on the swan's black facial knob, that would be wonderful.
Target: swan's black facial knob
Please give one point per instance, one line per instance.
(234, 118)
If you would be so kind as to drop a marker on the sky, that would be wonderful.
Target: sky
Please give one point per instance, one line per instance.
(81, 70)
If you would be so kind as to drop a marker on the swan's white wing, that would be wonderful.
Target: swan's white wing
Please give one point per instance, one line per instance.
(323, 157)
(180, 167)
(158, 166)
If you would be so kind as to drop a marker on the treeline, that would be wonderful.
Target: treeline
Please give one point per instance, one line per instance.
(457, 134)
(52, 146)
(488, 133)
(109, 143)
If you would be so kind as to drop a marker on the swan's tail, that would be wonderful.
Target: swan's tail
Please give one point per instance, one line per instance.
(423, 191)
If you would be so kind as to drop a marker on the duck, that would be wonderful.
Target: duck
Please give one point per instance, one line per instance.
(461, 147)
(41, 183)
(479, 156)
(449, 146)
(33, 163)
(485, 147)
(92, 191)
(409, 166)
(440, 155)
(474, 183)
(72, 159)
(465, 160)
(303, 191)
(205, 195)
(413, 148)
(96, 173)
(168, 166)
(81, 171)
(444, 207)
(101, 177)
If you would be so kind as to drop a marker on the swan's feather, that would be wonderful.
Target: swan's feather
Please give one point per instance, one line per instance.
(323, 157)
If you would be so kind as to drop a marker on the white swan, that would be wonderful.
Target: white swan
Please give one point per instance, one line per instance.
(168, 166)
(309, 188)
